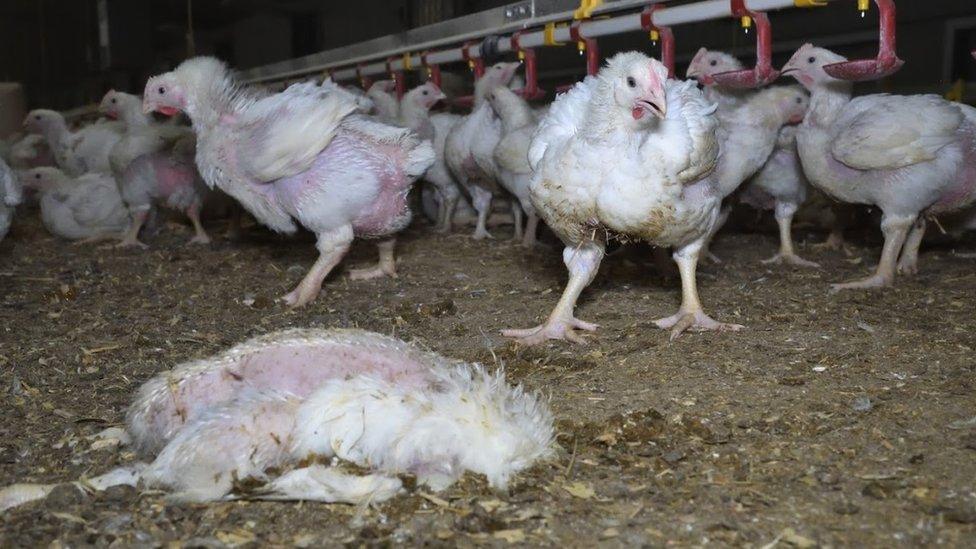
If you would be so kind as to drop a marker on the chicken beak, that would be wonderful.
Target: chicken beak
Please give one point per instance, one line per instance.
(147, 107)
(655, 102)
(692, 72)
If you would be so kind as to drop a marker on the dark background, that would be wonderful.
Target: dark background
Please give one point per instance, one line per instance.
(53, 47)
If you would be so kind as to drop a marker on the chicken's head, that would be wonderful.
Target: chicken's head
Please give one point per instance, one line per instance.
(793, 103)
(707, 63)
(425, 95)
(111, 105)
(382, 86)
(500, 74)
(807, 65)
(164, 94)
(636, 82)
(40, 178)
(40, 119)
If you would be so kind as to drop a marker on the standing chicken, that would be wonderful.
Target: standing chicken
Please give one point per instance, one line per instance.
(86, 150)
(511, 156)
(626, 153)
(300, 154)
(470, 146)
(781, 186)
(750, 140)
(912, 156)
(86, 207)
(10, 197)
(140, 135)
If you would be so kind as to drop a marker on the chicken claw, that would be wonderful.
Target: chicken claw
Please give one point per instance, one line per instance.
(696, 321)
(566, 330)
(874, 281)
(790, 259)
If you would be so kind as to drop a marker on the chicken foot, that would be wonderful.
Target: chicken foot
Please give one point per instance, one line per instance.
(200, 236)
(908, 262)
(582, 263)
(690, 315)
(895, 229)
(332, 248)
(787, 254)
(385, 267)
(131, 236)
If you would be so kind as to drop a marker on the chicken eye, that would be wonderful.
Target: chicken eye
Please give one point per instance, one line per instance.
(811, 59)
(37, 176)
(37, 117)
(799, 100)
(631, 82)
(113, 100)
(713, 62)
(425, 92)
(162, 90)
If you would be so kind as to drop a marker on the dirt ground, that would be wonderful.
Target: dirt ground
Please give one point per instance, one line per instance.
(832, 420)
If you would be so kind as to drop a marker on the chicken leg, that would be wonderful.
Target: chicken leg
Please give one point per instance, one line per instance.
(582, 263)
(517, 220)
(691, 315)
(385, 267)
(200, 236)
(131, 237)
(787, 254)
(332, 247)
(445, 213)
(908, 263)
(895, 229)
(481, 200)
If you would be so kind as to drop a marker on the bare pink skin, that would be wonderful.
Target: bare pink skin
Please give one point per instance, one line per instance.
(292, 369)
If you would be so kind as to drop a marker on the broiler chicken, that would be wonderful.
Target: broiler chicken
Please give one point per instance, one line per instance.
(752, 145)
(703, 67)
(630, 153)
(386, 107)
(912, 156)
(470, 147)
(87, 207)
(141, 135)
(268, 410)
(415, 108)
(167, 178)
(710, 62)
(84, 151)
(302, 154)
(10, 197)
(781, 186)
(511, 157)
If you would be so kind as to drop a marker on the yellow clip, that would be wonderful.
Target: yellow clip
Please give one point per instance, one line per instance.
(407, 64)
(655, 36)
(863, 5)
(471, 65)
(549, 35)
(809, 3)
(957, 91)
(585, 9)
(581, 46)
(521, 55)
(746, 21)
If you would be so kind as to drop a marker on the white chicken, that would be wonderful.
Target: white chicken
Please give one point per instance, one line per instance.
(470, 147)
(300, 154)
(10, 197)
(386, 106)
(911, 156)
(660, 135)
(87, 207)
(511, 157)
(141, 135)
(781, 186)
(709, 62)
(86, 150)
(273, 408)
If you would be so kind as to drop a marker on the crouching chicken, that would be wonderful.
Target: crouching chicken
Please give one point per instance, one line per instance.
(303, 154)
(627, 153)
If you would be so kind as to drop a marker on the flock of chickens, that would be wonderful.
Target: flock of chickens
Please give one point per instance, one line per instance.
(628, 153)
